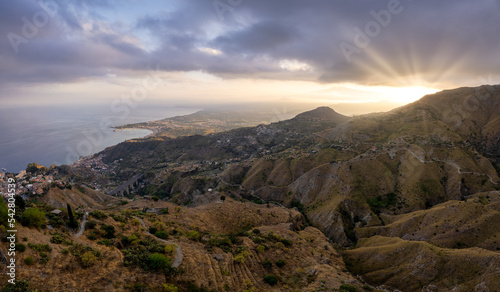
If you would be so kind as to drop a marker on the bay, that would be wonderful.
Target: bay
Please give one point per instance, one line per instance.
(60, 134)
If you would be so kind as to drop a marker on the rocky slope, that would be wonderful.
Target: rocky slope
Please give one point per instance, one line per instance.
(411, 191)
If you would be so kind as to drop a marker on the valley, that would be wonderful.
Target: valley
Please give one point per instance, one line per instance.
(406, 200)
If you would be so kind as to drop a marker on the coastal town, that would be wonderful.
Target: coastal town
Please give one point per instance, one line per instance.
(29, 185)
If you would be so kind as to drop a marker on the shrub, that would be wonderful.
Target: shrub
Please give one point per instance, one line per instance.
(88, 259)
(40, 247)
(194, 235)
(90, 224)
(170, 249)
(161, 234)
(170, 288)
(85, 253)
(138, 254)
(271, 280)
(19, 286)
(136, 222)
(99, 215)
(267, 264)
(256, 231)
(241, 257)
(287, 242)
(105, 242)
(20, 247)
(33, 217)
(119, 218)
(92, 236)
(3, 213)
(44, 258)
(152, 230)
(29, 261)
(280, 263)
(108, 231)
(158, 262)
(58, 239)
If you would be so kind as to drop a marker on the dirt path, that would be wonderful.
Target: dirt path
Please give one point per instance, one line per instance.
(178, 251)
(82, 226)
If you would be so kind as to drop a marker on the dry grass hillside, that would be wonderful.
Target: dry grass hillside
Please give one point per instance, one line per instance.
(225, 246)
(420, 266)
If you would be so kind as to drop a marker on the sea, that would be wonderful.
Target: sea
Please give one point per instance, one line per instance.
(62, 134)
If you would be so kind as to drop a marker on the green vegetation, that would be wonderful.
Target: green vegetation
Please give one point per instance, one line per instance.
(194, 235)
(20, 247)
(91, 224)
(271, 280)
(72, 222)
(88, 259)
(29, 261)
(58, 238)
(170, 288)
(158, 262)
(40, 247)
(99, 215)
(267, 264)
(383, 202)
(3, 213)
(146, 253)
(280, 263)
(35, 168)
(19, 286)
(108, 231)
(241, 256)
(33, 217)
(85, 254)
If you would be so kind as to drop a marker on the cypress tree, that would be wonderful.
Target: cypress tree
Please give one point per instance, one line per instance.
(72, 222)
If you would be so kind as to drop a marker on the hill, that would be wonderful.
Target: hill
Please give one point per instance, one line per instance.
(423, 178)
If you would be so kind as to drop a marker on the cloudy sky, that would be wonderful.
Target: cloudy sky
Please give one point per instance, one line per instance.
(209, 51)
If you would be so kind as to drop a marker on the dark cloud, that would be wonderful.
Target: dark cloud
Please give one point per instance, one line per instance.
(438, 42)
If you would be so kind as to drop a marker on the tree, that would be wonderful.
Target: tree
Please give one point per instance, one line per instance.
(3, 213)
(20, 204)
(33, 217)
(88, 259)
(108, 231)
(271, 280)
(72, 221)
(158, 262)
(222, 198)
(35, 168)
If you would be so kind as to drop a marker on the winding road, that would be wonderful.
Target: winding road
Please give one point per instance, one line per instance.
(82, 225)
(178, 251)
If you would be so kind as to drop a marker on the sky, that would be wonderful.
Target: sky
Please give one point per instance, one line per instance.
(235, 51)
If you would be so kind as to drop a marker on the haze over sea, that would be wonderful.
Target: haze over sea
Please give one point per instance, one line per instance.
(53, 135)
